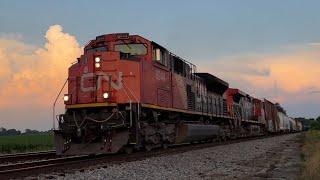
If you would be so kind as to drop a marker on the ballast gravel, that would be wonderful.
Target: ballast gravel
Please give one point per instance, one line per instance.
(256, 159)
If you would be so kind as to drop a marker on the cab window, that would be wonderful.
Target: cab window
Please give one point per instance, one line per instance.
(97, 49)
(132, 49)
(159, 55)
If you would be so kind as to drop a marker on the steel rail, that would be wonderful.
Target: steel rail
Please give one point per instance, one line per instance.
(12, 158)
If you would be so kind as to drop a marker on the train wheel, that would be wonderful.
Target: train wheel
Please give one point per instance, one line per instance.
(128, 149)
(219, 139)
(148, 147)
(165, 145)
(215, 140)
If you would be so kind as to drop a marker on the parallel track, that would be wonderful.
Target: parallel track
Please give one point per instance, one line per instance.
(78, 162)
(13, 158)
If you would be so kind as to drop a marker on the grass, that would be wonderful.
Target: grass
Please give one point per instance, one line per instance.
(25, 143)
(311, 156)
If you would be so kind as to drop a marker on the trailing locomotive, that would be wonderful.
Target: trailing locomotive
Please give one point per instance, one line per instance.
(126, 92)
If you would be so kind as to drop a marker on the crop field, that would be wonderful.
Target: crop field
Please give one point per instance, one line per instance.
(25, 143)
(311, 155)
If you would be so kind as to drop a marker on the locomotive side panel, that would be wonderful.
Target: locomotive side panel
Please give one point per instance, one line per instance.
(163, 85)
(247, 108)
(201, 95)
(156, 83)
(271, 114)
(148, 89)
(215, 104)
(257, 109)
(179, 91)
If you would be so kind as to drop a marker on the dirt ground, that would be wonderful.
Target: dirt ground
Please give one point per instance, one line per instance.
(286, 164)
(282, 162)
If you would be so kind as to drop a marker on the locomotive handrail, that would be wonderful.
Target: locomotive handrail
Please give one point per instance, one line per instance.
(130, 100)
(88, 118)
(54, 104)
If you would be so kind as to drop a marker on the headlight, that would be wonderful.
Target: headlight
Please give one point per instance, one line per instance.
(66, 97)
(105, 95)
(97, 65)
(97, 59)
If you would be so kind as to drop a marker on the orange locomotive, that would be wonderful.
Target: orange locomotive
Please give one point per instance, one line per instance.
(126, 92)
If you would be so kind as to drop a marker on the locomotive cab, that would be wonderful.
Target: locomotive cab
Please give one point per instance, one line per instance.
(110, 64)
(103, 90)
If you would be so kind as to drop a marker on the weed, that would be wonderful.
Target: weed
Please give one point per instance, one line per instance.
(311, 155)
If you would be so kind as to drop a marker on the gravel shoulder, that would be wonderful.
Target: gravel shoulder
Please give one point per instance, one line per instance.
(270, 158)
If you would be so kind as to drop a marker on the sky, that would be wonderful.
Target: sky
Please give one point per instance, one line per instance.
(265, 48)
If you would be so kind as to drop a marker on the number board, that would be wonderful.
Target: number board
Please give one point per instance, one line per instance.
(100, 38)
(123, 36)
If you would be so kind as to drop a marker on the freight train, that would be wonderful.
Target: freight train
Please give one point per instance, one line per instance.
(128, 93)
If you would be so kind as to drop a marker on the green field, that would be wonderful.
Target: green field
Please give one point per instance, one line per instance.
(25, 143)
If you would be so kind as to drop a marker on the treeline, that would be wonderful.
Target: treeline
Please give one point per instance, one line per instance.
(8, 132)
(310, 123)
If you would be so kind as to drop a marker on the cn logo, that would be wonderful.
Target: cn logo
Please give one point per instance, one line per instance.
(100, 76)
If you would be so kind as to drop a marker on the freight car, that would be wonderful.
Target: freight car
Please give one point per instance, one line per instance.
(284, 123)
(292, 123)
(288, 124)
(126, 92)
(298, 125)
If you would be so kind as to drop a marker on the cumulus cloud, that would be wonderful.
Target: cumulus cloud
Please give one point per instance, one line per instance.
(32, 76)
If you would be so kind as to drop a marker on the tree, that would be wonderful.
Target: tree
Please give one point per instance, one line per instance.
(8, 132)
(13, 132)
(3, 131)
(280, 108)
(318, 119)
(29, 131)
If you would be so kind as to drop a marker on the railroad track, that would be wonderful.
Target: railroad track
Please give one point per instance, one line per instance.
(79, 162)
(14, 158)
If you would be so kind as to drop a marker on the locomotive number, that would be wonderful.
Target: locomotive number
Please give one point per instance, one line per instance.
(123, 36)
(100, 38)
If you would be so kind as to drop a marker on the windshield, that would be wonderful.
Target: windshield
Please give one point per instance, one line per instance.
(133, 49)
(98, 49)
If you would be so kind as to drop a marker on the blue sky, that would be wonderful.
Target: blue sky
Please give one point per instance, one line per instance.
(215, 28)
(257, 46)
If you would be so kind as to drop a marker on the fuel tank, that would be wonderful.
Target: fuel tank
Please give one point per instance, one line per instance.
(196, 132)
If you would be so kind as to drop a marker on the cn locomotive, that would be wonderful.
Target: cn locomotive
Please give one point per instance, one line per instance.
(128, 93)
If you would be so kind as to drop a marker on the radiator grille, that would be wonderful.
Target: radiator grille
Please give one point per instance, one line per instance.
(190, 98)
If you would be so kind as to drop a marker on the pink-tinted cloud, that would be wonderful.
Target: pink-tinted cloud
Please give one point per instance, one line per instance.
(290, 77)
(32, 76)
